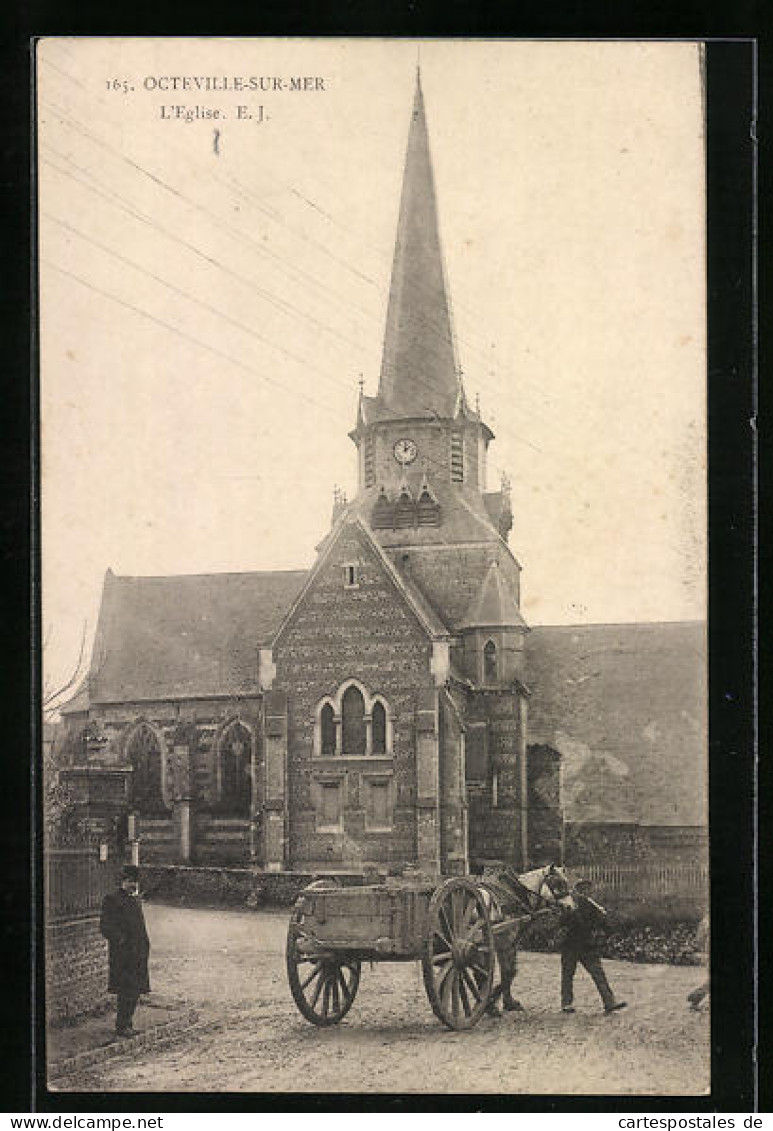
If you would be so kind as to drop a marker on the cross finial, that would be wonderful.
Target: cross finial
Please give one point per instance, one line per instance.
(361, 383)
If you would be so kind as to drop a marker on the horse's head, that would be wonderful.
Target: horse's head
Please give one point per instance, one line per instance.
(553, 886)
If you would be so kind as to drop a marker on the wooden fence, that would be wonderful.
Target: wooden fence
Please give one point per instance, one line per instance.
(76, 882)
(650, 891)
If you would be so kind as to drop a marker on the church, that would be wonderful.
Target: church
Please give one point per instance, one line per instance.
(391, 706)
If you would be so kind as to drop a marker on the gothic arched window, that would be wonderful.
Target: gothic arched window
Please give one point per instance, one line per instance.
(378, 728)
(236, 771)
(490, 662)
(353, 723)
(328, 730)
(143, 752)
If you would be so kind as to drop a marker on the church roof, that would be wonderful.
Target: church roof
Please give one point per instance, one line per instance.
(494, 605)
(186, 636)
(624, 704)
(418, 370)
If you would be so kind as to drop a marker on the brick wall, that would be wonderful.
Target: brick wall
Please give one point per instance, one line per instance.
(76, 968)
(368, 633)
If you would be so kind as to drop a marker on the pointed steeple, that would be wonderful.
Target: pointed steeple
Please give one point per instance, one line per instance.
(419, 374)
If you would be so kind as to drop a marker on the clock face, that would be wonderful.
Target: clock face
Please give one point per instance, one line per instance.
(405, 451)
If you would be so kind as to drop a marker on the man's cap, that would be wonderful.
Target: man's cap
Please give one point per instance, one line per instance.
(130, 872)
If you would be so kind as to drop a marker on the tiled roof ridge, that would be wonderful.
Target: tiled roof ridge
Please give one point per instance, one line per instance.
(118, 577)
(621, 624)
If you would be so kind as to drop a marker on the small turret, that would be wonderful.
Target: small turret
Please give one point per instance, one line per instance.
(493, 632)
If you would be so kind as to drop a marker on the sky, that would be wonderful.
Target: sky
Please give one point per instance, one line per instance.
(213, 290)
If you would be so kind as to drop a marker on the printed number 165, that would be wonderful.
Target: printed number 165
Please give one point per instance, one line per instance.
(119, 84)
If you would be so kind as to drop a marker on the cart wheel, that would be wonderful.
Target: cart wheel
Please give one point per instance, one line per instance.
(458, 958)
(323, 986)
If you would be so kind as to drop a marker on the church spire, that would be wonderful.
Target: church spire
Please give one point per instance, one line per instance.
(418, 370)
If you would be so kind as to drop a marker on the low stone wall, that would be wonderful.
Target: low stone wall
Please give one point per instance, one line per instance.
(76, 969)
(212, 886)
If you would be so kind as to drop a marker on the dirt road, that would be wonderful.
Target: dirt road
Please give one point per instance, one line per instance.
(230, 965)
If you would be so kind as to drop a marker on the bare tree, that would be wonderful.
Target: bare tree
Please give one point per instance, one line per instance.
(59, 805)
(53, 694)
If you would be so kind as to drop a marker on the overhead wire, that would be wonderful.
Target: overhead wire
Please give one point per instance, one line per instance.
(280, 303)
(277, 218)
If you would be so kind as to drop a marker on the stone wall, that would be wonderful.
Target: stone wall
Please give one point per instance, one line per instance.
(494, 814)
(76, 968)
(226, 887)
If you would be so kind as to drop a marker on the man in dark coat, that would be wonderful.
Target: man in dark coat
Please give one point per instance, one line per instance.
(123, 925)
(582, 920)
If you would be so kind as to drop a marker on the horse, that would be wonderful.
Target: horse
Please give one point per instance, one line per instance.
(510, 896)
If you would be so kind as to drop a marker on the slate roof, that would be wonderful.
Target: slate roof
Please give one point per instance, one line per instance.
(418, 369)
(625, 706)
(186, 636)
(494, 605)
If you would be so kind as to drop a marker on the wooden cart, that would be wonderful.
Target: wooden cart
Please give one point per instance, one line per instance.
(334, 929)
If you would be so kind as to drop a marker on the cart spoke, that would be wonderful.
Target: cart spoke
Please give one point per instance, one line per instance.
(317, 989)
(474, 921)
(473, 988)
(344, 987)
(455, 1002)
(326, 997)
(334, 992)
(457, 910)
(445, 923)
(463, 995)
(471, 911)
(446, 989)
(436, 934)
(312, 975)
(441, 956)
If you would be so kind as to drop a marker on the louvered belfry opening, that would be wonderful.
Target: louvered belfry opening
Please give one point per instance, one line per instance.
(427, 510)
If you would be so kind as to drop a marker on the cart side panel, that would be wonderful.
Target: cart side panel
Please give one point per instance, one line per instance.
(379, 920)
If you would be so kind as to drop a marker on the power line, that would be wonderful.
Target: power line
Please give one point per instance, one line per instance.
(240, 234)
(276, 217)
(189, 337)
(268, 296)
(442, 465)
(281, 304)
(192, 298)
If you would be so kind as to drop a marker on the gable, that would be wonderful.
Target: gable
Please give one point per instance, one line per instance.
(352, 544)
(354, 625)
